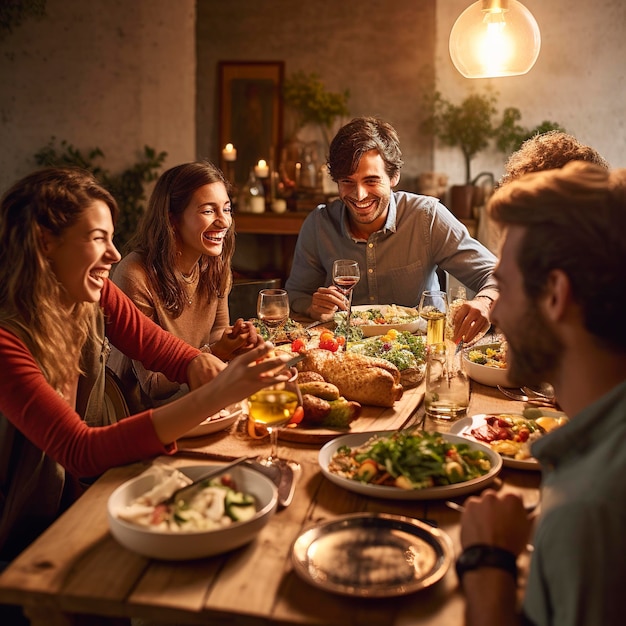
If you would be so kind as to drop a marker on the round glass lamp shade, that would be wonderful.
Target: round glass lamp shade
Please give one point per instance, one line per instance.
(495, 38)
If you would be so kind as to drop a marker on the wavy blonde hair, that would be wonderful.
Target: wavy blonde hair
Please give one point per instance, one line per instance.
(30, 294)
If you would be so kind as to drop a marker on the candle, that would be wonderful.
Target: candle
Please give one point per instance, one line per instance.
(261, 169)
(229, 153)
(279, 205)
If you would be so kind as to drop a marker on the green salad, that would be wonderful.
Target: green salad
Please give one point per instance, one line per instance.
(410, 460)
(403, 349)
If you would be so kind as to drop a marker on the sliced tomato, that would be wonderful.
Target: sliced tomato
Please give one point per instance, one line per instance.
(297, 416)
(297, 345)
(329, 344)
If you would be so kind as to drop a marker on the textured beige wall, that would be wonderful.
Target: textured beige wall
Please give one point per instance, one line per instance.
(579, 79)
(381, 50)
(118, 74)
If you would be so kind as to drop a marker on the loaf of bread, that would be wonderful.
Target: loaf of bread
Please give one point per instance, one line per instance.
(366, 380)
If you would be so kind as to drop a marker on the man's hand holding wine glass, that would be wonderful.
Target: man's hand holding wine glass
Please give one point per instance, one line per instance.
(326, 301)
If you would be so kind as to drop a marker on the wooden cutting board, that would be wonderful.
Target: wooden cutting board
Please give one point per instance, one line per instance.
(372, 419)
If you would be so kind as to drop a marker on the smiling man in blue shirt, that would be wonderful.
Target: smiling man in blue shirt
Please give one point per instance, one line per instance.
(399, 239)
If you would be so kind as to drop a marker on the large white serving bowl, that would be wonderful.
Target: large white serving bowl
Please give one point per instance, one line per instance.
(198, 544)
(484, 374)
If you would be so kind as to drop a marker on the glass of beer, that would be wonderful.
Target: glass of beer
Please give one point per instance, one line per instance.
(433, 309)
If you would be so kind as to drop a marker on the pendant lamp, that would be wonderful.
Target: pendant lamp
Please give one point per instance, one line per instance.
(495, 38)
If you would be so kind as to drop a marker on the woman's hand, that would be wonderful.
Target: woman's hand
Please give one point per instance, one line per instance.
(204, 368)
(326, 302)
(239, 338)
(243, 376)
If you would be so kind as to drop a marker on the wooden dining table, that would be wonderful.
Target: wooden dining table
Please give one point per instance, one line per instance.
(77, 568)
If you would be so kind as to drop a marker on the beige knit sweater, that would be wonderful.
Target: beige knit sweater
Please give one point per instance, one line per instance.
(200, 323)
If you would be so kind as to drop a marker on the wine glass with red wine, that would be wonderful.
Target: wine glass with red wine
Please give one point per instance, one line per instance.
(346, 275)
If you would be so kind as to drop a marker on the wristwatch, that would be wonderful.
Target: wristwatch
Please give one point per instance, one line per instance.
(482, 555)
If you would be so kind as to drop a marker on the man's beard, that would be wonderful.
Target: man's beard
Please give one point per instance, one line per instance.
(535, 351)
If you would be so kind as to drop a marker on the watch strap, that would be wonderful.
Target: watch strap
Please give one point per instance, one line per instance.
(483, 555)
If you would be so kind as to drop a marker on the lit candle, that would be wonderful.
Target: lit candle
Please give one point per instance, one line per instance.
(229, 153)
(261, 169)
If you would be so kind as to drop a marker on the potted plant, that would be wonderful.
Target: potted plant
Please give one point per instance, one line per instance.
(127, 187)
(471, 126)
(510, 135)
(468, 126)
(307, 102)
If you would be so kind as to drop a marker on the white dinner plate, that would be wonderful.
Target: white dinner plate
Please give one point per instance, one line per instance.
(370, 555)
(220, 421)
(395, 493)
(464, 427)
(369, 330)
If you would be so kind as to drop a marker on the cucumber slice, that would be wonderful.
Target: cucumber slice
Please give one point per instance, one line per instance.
(239, 506)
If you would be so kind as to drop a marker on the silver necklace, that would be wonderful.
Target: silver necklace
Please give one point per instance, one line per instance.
(190, 280)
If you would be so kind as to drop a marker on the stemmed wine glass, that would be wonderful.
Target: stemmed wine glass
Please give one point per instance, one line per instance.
(433, 308)
(346, 275)
(273, 407)
(273, 309)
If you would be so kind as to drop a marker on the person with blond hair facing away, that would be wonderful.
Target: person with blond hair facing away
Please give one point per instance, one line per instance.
(178, 273)
(561, 307)
(58, 313)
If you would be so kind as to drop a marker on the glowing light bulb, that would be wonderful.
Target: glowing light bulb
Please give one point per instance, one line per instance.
(495, 38)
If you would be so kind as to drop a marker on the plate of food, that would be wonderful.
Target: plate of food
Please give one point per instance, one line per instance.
(486, 364)
(222, 514)
(372, 555)
(378, 319)
(220, 421)
(511, 434)
(409, 465)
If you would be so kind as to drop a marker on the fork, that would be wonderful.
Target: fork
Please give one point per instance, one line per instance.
(522, 397)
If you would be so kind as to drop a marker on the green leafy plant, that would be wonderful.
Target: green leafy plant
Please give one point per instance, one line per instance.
(468, 125)
(510, 135)
(472, 125)
(127, 187)
(306, 96)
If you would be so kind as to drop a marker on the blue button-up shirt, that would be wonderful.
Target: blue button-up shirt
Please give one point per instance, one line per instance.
(398, 262)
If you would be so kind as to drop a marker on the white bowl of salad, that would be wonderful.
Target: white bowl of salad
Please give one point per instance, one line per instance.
(221, 516)
(486, 364)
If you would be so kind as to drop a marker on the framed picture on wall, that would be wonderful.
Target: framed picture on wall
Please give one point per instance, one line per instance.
(251, 111)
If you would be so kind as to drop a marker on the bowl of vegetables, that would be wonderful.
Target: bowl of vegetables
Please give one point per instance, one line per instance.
(225, 513)
(486, 364)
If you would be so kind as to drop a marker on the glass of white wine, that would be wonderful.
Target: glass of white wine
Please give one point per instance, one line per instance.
(346, 275)
(433, 309)
(273, 309)
(273, 407)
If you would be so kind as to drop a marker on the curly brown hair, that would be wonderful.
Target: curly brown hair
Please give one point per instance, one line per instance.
(549, 151)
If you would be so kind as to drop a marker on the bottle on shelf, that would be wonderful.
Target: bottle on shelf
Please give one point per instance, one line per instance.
(252, 198)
